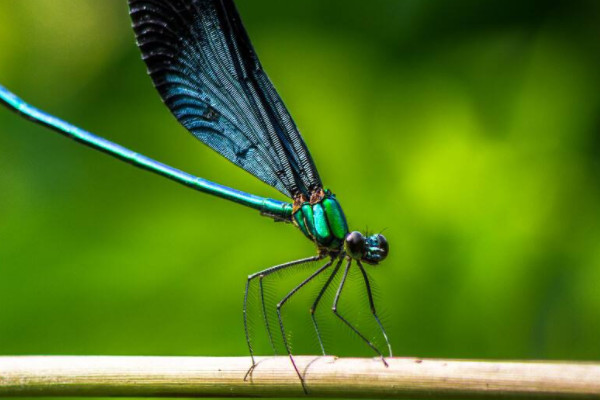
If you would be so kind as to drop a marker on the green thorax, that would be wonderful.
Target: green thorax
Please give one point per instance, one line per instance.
(322, 220)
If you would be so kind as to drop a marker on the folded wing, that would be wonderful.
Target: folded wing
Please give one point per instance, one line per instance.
(206, 71)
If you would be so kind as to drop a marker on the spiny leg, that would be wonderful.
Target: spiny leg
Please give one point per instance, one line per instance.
(264, 273)
(372, 304)
(313, 309)
(335, 311)
(264, 312)
(282, 303)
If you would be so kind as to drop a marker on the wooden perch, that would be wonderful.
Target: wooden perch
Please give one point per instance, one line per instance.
(274, 377)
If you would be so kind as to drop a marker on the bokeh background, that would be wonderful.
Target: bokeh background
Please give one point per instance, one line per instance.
(469, 131)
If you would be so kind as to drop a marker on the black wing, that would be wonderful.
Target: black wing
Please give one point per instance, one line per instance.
(206, 71)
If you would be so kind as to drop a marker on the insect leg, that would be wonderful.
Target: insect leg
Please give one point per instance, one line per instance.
(335, 311)
(264, 273)
(282, 303)
(313, 309)
(264, 312)
(372, 304)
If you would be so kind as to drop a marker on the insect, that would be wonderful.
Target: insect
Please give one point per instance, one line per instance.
(206, 71)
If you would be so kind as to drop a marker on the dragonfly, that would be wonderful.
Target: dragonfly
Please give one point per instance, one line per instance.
(203, 65)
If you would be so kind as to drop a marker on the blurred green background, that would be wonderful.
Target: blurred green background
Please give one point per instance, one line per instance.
(469, 130)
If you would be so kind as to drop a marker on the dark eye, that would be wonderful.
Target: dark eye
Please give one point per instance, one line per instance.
(355, 245)
(384, 247)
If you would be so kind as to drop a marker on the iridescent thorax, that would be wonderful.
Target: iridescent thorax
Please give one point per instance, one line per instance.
(321, 219)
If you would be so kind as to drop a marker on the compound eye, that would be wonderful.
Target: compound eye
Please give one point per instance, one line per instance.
(383, 245)
(355, 245)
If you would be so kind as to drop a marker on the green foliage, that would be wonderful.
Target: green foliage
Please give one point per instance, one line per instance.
(469, 131)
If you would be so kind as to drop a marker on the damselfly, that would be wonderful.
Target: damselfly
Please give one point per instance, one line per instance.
(202, 63)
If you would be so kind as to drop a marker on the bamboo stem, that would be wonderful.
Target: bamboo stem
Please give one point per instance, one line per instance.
(274, 377)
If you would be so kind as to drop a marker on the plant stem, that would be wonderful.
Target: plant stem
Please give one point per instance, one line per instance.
(89, 376)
